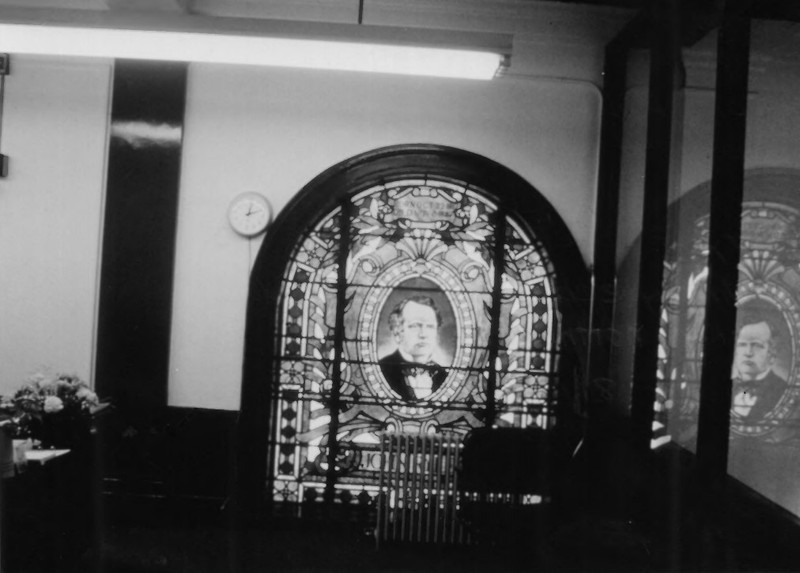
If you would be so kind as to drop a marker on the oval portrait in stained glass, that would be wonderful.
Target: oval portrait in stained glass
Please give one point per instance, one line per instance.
(762, 365)
(417, 338)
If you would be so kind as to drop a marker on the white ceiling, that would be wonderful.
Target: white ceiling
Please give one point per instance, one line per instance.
(588, 22)
(529, 21)
(555, 38)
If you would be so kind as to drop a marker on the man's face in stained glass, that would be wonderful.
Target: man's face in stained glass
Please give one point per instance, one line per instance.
(417, 331)
(754, 354)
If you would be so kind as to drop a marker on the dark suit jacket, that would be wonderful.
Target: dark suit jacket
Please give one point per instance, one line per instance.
(395, 368)
(768, 392)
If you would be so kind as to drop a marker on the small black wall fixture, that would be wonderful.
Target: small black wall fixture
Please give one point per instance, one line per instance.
(5, 69)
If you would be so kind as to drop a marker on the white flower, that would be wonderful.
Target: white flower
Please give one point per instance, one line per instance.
(86, 395)
(47, 385)
(53, 404)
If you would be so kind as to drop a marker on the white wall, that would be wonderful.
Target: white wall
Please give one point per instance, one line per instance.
(274, 130)
(245, 129)
(54, 122)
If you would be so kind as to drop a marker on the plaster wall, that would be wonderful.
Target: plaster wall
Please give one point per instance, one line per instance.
(54, 130)
(273, 131)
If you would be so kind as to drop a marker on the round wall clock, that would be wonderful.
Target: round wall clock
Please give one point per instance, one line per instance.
(249, 214)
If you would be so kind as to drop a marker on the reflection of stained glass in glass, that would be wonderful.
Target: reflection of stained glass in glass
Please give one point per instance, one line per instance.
(768, 279)
(406, 238)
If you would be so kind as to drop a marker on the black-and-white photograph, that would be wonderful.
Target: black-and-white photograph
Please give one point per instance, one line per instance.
(399, 286)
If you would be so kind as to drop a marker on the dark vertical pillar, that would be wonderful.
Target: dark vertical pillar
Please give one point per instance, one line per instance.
(138, 255)
(665, 50)
(727, 188)
(607, 215)
(710, 548)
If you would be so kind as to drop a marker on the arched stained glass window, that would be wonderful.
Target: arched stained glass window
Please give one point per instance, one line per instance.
(417, 299)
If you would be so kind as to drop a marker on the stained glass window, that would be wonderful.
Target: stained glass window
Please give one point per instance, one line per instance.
(415, 305)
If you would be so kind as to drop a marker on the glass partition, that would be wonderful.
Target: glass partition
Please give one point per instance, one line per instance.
(677, 402)
(631, 198)
(765, 407)
(764, 436)
(685, 268)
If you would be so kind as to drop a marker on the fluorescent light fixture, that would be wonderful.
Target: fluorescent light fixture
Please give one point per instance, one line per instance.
(221, 49)
(264, 43)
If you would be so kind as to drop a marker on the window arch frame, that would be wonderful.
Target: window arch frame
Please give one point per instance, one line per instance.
(325, 193)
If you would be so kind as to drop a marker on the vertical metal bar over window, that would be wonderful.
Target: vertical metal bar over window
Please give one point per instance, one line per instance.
(338, 344)
(494, 333)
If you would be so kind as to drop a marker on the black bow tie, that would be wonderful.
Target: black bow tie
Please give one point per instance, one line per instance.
(417, 368)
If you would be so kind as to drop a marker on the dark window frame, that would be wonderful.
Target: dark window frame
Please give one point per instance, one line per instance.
(324, 194)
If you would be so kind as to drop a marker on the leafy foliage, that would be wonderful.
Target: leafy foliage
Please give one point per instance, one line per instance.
(44, 397)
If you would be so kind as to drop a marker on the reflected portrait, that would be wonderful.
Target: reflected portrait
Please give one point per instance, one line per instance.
(761, 361)
(416, 339)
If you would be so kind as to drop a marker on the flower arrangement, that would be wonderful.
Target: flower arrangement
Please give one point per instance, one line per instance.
(45, 401)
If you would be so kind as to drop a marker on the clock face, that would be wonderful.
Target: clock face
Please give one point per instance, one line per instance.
(249, 214)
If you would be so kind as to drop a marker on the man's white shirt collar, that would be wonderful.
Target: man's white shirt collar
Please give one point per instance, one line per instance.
(408, 358)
